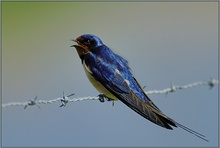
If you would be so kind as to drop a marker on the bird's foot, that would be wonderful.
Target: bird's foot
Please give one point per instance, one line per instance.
(103, 97)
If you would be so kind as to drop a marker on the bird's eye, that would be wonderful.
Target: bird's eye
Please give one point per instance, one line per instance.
(87, 41)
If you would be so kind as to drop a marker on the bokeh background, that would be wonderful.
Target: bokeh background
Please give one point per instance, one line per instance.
(164, 42)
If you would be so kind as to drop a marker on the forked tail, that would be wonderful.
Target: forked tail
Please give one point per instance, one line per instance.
(191, 131)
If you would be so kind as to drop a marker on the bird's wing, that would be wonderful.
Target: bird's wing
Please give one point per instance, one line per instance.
(115, 82)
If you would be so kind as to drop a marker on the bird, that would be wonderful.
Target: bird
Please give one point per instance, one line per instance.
(111, 75)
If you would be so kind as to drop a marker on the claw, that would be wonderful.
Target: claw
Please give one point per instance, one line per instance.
(101, 97)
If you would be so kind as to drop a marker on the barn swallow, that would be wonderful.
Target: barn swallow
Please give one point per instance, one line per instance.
(111, 75)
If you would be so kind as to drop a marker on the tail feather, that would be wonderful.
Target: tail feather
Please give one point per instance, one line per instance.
(176, 124)
(192, 131)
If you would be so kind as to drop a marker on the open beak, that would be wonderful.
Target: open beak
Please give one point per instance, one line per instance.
(76, 42)
(81, 49)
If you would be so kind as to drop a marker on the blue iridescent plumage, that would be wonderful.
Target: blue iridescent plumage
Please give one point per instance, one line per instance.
(110, 74)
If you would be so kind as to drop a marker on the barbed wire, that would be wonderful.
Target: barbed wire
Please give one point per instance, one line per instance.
(66, 99)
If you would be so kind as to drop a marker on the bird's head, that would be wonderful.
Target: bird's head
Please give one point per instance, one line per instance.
(86, 43)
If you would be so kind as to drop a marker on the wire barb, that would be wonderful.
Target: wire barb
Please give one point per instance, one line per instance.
(32, 103)
(65, 99)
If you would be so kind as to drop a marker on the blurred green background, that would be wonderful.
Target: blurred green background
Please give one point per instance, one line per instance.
(164, 42)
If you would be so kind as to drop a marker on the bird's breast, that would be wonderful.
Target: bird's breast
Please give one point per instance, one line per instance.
(97, 84)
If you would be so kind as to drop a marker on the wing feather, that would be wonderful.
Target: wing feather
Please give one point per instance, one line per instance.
(117, 85)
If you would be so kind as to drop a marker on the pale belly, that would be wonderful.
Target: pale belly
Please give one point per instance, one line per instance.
(98, 85)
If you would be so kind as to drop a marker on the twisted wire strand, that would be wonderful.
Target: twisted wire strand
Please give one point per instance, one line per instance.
(66, 99)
